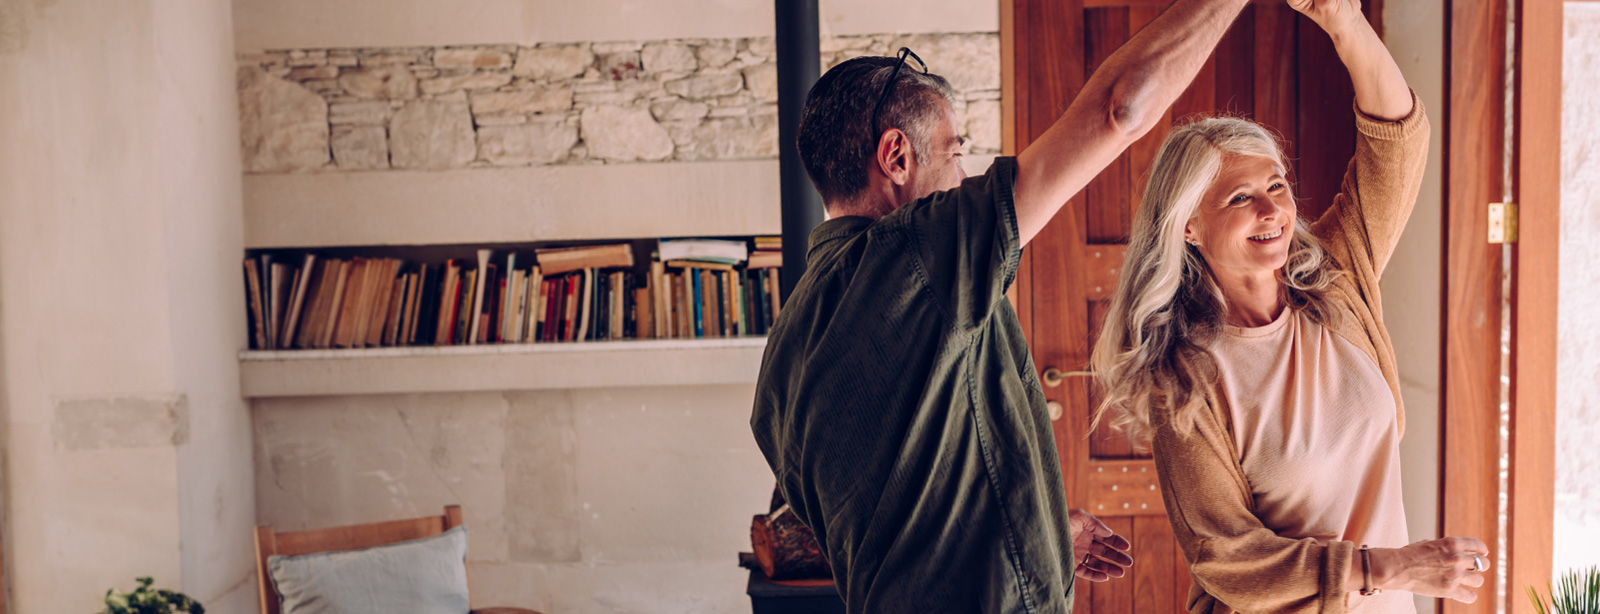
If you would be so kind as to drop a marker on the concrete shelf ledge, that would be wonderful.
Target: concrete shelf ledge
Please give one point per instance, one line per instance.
(605, 364)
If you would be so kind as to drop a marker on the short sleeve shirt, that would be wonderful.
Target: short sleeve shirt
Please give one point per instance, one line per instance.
(901, 414)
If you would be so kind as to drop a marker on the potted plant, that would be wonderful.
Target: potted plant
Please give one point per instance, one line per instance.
(1578, 592)
(145, 601)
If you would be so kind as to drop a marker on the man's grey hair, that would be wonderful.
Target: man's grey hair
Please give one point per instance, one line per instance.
(836, 142)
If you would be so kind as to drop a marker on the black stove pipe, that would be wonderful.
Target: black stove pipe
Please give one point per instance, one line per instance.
(799, 65)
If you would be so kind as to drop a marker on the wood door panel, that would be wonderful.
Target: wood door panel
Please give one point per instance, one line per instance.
(1142, 155)
(1236, 78)
(1323, 102)
(1275, 92)
(1120, 488)
(1115, 595)
(1070, 270)
(1106, 198)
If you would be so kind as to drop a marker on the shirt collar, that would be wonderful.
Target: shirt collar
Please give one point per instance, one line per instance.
(836, 228)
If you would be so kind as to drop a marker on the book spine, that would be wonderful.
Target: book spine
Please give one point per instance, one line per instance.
(357, 311)
(658, 299)
(741, 301)
(712, 304)
(462, 327)
(446, 315)
(382, 304)
(402, 316)
(619, 305)
(685, 285)
(730, 295)
(258, 325)
(758, 288)
(695, 294)
(535, 303)
(422, 331)
(774, 300)
(476, 302)
(636, 298)
(509, 301)
(419, 304)
(317, 295)
(391, 319)
(291, 327)
(281, 283)
(335, 304)
(516, 304)
(644, 307)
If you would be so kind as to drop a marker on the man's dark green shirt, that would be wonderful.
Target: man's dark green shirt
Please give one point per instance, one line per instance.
(900, 411)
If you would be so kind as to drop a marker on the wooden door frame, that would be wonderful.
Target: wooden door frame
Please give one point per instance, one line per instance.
(1535, 259)
(1471, 318)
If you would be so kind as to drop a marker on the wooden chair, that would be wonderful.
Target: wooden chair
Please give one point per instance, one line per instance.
(270, 542)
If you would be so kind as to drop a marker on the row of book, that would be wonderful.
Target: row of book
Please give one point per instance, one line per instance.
(690, 289)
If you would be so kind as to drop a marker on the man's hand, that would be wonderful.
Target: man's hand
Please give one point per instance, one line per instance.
(1102, 554)
(1124, 98)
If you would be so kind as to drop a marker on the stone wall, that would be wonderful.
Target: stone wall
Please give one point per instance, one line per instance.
(582, 103)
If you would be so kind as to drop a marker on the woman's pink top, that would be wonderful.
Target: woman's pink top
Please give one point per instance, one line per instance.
(1314, 422)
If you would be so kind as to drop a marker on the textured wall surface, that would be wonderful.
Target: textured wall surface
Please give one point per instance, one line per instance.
(126, 445)
(1577, 537)
(434, 108)
(614, 500)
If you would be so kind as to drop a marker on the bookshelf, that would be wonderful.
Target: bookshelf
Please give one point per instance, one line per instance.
(401, 370)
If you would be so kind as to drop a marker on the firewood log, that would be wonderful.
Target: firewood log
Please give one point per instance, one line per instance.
(786, 548)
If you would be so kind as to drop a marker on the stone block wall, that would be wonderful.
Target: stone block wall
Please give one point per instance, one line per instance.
(437, 108)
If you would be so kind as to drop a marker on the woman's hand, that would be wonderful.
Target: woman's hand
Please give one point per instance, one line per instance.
(1444, 568)
(1336, 17)
(1102, 554)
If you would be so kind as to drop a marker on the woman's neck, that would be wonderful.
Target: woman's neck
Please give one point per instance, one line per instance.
(1253, 300)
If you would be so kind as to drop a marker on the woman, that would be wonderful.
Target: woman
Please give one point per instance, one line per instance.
(1249, 346)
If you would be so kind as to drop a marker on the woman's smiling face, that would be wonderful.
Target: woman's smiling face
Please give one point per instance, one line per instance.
(1245, 220)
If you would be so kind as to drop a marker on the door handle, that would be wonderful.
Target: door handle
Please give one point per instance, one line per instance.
(1053, 377)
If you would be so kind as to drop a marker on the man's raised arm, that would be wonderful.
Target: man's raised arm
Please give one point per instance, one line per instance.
(1121, 102)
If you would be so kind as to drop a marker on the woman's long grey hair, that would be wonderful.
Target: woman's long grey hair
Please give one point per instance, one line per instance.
(1151, 360)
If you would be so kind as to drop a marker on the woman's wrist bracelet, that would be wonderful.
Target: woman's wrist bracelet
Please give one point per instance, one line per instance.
(1366, 573)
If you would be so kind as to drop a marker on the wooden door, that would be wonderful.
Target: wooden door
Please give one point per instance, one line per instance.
(1475, 365)
(1274, 66)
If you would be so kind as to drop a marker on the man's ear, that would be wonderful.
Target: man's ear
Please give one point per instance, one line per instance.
(894, 156)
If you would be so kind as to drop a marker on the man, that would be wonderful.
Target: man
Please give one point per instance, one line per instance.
(897, 404)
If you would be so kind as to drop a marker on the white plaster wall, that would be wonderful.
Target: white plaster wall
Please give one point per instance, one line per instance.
(82, 281)
(202, 225)
(119, 212)
(289, 24)
(1411, 283)
(1577, 514)
(576, 501)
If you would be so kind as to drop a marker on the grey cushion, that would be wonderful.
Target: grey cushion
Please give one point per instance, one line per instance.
(424, 576)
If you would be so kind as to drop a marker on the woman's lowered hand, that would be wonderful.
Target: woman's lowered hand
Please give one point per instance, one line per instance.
(1447, 568)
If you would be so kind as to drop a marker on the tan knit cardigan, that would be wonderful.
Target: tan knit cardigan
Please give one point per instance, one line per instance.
(1239, 565)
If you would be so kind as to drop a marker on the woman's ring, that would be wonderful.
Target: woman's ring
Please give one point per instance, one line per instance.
(1477, 564)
